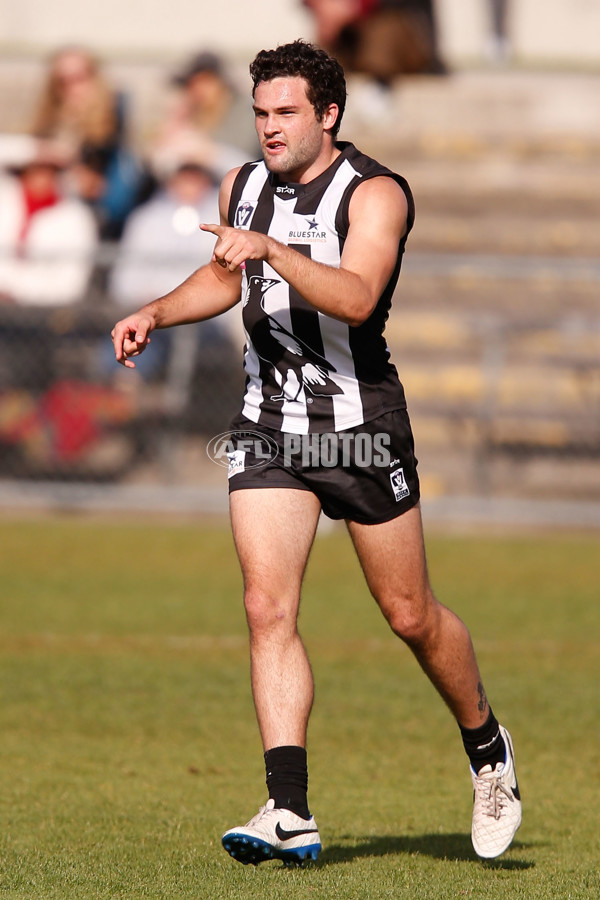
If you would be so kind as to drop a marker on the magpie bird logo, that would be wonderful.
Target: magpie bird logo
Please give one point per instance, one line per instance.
(299, 365)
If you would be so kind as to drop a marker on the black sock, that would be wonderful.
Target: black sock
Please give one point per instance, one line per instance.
(484, 745)
(287, 779)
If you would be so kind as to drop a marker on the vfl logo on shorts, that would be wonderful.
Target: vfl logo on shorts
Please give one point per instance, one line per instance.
(399, 485)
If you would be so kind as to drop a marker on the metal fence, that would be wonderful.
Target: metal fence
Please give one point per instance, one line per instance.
(501, 406)
(67, 413)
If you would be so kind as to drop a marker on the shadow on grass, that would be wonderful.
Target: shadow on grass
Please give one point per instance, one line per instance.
(438, 846)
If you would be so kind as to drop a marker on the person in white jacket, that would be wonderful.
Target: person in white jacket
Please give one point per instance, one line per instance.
(162, 242)
(48, 239)
(161, 245)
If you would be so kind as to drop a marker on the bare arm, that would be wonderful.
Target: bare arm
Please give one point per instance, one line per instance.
(377, 216)
(209, 291)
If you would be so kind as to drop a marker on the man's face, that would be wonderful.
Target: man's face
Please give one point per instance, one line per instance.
(292, 139)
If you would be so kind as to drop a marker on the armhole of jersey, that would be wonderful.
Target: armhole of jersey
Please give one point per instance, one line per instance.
(410, 216)
(342, 219)
(236, 191)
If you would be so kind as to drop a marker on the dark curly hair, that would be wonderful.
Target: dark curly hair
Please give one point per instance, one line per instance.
(323, 74)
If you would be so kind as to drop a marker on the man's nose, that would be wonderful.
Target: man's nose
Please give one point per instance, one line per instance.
(271, 125)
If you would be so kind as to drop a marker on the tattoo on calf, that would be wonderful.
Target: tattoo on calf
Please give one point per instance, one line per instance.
(483, 704)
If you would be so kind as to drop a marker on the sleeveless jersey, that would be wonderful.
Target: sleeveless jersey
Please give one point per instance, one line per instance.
(307, 372)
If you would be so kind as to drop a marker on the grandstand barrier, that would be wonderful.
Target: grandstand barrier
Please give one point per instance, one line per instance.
(487, 386)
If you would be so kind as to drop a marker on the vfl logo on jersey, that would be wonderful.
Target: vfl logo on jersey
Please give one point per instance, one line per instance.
(308, 232)
(243, 214)
(298, 365)
(399, 485)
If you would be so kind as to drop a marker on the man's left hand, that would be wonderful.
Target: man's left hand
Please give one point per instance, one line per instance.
(235, 246)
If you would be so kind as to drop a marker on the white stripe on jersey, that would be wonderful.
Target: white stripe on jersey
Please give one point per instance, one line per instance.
(277, 303)
(347, 407)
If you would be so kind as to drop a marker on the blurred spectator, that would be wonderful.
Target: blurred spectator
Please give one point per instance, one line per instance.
(162, 243)
(161, 246)
(47, 238)
(380, 38)
(499, 44)
(208, 118)
(80, 109)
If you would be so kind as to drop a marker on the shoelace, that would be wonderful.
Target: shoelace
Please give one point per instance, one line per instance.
(263, 811)
(494, 802)
(256, 819)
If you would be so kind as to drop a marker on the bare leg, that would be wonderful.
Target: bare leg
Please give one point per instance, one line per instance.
(274, 530)
(392, 556)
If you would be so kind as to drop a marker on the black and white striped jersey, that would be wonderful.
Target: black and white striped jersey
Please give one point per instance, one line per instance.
(307, 372)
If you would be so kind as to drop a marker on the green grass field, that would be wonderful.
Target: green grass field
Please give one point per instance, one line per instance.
(128, 742)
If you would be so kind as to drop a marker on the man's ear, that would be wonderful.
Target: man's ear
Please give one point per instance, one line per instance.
(330, 116)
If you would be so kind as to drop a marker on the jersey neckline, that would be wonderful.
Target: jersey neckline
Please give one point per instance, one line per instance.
(288, 190)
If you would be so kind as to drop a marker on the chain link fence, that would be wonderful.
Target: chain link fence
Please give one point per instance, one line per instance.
(70, 413)
(502, 405)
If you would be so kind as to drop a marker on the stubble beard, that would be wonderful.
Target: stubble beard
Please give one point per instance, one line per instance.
(293, 162)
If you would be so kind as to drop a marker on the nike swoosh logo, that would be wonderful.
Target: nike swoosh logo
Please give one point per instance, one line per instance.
(284, 835)
(515, 786)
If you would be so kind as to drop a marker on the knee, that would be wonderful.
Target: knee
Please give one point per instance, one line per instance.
(267, 612)
(413, 618)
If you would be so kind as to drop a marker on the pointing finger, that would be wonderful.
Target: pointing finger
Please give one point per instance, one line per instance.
(214, 229)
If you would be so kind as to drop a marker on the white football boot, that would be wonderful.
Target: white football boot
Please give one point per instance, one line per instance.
(274, 834)
(496, 805)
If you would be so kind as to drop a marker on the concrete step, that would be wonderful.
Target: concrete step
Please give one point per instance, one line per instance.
(511, 106)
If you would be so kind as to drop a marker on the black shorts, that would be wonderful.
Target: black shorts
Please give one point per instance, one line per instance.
(366, 474)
